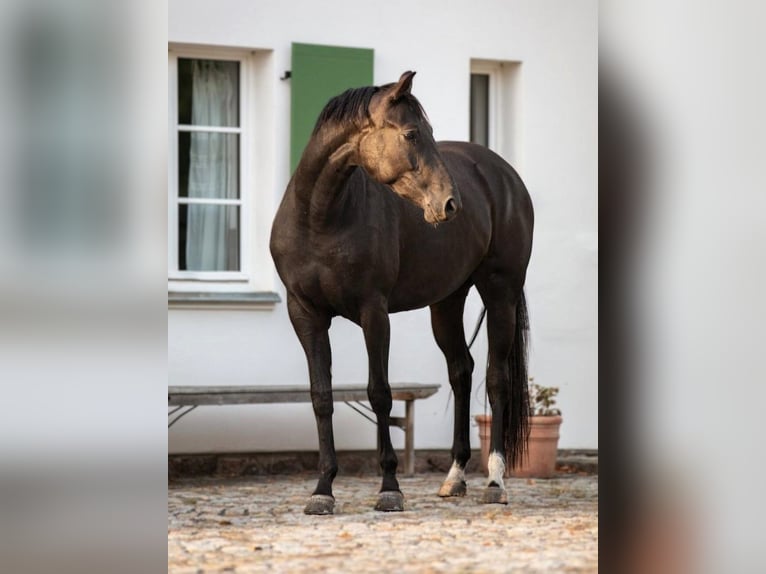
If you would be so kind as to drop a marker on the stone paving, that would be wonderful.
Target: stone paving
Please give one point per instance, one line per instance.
(256, 524)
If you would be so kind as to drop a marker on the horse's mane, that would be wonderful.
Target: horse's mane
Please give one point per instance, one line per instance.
(351, 105)
(354, 105)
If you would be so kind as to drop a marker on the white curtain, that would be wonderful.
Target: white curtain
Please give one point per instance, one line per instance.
(212, 242)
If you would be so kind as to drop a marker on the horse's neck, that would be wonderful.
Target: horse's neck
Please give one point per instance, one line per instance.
(322, 173)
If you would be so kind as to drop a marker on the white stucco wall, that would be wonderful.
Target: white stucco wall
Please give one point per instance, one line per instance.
(556, 41)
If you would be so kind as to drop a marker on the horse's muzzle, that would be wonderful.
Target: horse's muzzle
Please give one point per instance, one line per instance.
(451, 207)
(448, 209)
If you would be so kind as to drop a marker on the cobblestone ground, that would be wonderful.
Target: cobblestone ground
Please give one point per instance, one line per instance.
(257, 525)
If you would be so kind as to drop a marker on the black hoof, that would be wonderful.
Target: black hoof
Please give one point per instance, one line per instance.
(320, 504)
(452, 488)
(390, 501)
(494, 495)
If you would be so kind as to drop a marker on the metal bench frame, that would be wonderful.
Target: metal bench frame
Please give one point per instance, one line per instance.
(189, 398)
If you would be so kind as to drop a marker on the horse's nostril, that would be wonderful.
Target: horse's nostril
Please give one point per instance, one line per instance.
(450, 208)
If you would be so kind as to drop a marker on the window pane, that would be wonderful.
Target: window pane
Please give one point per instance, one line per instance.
(208, 165)
(208, 237)
(208, 92)
(480, 109)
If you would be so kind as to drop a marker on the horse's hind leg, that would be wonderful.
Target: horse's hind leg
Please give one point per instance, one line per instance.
(500, 301)
(447, 324)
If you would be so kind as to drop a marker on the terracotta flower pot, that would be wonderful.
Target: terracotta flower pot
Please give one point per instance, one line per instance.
(540, 460)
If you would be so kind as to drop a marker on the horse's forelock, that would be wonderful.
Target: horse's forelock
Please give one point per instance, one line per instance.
(417, 107)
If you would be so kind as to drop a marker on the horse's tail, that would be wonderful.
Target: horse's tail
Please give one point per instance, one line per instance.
(516, 416)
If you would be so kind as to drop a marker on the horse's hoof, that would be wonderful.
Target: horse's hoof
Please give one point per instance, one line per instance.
(452, 488)
(494, 495)
(320, 504)
(390, 501)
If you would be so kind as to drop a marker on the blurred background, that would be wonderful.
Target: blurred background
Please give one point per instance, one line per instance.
(681, 209)
(83, 360)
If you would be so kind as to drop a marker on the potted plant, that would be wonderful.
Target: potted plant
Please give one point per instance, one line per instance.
(545, 419)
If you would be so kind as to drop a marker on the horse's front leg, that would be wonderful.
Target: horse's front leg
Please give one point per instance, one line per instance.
(374, 321)
(312, 330)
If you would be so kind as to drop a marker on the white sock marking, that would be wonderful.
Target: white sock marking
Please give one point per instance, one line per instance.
(456, 474)
(496, 468)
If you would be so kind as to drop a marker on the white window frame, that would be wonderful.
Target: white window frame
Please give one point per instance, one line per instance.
(211, 280)
(495, 110)
(506, 118)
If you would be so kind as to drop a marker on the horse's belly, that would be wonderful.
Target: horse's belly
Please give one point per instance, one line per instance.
(424, 288)
(410, 301)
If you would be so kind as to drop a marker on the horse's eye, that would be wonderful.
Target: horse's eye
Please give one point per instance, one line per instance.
(411, 135)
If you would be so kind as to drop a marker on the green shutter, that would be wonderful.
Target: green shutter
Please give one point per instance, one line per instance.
(318, 74)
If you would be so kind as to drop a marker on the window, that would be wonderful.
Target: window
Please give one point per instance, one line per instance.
(207, 199)
(221, 177)
(480, 108)
(495, 100)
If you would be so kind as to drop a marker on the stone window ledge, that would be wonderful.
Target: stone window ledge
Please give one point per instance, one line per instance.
(208, 300)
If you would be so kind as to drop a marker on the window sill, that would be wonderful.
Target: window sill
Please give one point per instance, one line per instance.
(207, 300)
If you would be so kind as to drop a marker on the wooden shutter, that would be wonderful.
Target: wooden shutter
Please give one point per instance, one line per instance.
(318, 74)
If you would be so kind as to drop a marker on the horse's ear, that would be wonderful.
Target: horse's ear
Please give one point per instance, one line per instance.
(403, 86)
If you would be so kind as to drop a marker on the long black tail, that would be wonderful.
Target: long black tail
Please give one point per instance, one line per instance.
(516, 418)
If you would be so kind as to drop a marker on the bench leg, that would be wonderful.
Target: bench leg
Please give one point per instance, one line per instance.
(409, 438)
(407, 424)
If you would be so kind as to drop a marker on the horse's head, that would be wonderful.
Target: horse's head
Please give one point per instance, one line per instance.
(397, 148)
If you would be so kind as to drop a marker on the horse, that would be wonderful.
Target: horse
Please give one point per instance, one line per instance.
(378, 218)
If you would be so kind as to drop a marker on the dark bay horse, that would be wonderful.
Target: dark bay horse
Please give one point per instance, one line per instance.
(378, 218)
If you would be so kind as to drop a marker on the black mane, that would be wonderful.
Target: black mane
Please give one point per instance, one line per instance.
(354, 105)
(351, 105)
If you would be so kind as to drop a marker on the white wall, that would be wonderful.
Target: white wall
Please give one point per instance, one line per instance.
(556, 41)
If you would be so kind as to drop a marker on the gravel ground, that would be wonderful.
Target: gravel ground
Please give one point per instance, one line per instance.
(257, 525)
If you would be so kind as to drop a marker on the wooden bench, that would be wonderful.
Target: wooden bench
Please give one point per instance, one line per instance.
(192, 397)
